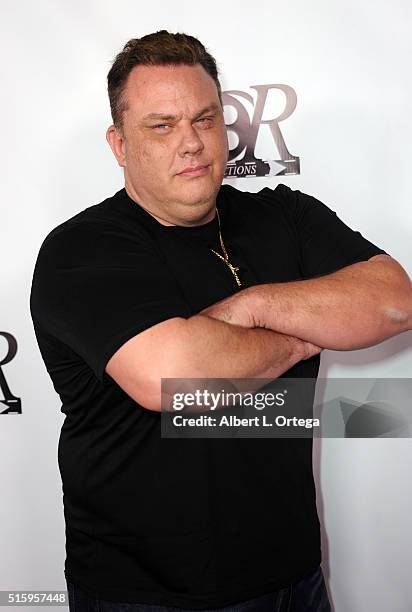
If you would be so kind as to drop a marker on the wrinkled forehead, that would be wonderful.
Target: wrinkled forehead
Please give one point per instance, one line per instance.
(169, 90)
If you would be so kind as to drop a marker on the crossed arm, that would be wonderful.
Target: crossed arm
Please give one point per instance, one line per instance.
(354, 307)
(262, 331)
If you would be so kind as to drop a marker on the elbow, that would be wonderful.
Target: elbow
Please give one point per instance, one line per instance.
(174, 365)
(399, 318)
(399, 313)
(395, 293)
(158, 393)
(160, 387)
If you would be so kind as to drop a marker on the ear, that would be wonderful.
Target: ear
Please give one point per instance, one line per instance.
(117, 144)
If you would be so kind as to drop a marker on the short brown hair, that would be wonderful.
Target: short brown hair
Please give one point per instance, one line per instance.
(156, 49)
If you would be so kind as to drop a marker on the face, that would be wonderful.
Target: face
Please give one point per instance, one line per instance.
(174, 145)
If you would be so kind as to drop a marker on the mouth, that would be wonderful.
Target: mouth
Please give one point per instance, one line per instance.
(193, 171)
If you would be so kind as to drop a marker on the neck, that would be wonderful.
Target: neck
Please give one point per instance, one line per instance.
(163, 220)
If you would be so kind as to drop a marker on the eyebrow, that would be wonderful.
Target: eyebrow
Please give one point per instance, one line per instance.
(168, 117)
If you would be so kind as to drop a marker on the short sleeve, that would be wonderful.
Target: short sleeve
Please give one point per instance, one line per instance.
(95, 286)
(326, 243)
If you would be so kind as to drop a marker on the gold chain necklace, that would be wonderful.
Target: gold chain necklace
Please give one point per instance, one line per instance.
(232, 268)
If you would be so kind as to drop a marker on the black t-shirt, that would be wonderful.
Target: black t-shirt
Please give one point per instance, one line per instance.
(188, 522)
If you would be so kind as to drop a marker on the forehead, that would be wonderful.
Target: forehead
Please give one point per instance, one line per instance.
(181, 88)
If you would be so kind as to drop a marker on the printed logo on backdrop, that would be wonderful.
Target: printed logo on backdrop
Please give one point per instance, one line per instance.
(246, 128)
(12, 403)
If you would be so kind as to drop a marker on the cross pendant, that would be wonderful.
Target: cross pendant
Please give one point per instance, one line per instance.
(233, 269)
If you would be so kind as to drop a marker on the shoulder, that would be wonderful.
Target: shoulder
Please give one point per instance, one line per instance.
(276, 196)
(280, 202)
(96, 233)
(292, 204)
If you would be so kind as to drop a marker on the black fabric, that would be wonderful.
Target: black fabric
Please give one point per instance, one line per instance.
(306, 595)
(188, 522)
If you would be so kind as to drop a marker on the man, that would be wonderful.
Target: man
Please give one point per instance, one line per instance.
(177, 276)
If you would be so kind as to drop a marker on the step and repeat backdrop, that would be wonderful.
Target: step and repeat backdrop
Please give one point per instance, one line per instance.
(317, 96)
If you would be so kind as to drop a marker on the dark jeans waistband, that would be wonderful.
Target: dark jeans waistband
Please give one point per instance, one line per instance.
(307, 595)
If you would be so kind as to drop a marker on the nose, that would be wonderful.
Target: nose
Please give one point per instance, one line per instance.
(190, 141)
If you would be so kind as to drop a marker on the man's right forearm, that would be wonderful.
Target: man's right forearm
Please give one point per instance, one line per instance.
(203, 347)
(210, 348)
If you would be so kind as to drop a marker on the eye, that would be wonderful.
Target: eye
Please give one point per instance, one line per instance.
(161, 126)
(205, 120)
(205, 123)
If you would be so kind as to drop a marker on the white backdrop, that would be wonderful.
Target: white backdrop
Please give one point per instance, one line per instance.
(349, 64)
